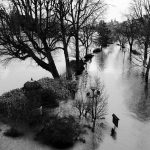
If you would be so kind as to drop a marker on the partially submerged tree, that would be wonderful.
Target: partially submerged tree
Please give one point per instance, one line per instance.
(87, 36)
(29, 29)
(118, 36)
(62, 8)
(81, 12)
(141, 12)
(92, 104)
(103, 35)
(97, 103)
(129, 31)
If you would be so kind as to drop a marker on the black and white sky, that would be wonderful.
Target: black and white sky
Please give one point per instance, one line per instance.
(117, 9)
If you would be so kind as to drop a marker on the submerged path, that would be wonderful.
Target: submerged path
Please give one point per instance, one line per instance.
(126, 100)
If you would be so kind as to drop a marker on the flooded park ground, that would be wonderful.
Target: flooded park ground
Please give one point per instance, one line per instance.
(125, 89)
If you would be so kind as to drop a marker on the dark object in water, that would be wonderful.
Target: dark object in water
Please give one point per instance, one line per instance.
(12, 132)
(122, 46)
(115, 120)
(97, 50)
(88, 57)
(78, 70)
(113, 133)
(135, 52)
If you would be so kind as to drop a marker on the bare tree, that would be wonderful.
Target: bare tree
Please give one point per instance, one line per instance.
(81, 12)
(118, 35)
(62, 9)
(80, 105)
(97, 106)
(87, 35)
(29, 29)
(140, 10)
(129, 31)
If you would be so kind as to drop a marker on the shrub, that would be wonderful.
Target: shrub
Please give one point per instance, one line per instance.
(60, 132)
(28, 86)
(12, 132)
(57, 87)
(78, 70)
(48, 99)
(16, 106)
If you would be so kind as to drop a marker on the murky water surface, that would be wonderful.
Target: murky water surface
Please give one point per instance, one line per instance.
(126, 99)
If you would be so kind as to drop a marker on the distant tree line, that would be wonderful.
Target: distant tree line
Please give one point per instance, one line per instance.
(135, 32)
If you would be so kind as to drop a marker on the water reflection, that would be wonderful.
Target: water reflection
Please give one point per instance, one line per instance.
(113, 133)
(126, 101)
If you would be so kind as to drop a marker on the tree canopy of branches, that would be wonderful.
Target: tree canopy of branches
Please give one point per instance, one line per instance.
(118, 35)
(129, 30)
(62, 9)
(87, 36)
(93, 104)
(83, 11)
(34, 29)
(140, 10)
(29, 30)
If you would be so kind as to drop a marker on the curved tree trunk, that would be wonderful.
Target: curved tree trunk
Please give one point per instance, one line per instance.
(51, 67)
(54, 71)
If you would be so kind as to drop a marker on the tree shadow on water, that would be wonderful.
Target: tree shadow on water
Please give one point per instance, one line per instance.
(140, 106)
(113, 133)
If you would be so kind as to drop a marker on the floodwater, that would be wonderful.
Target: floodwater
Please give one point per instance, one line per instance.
(15, 74)
(124, 87)
(126, 99)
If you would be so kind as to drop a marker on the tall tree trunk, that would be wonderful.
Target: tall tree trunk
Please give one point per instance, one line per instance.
(54, 70)
(63, 31)
(146, 78)
(145, 52)
(131, 51)
(94, 123)
(86, 51)
(77, 52)
(68, 68)
(147, 72)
